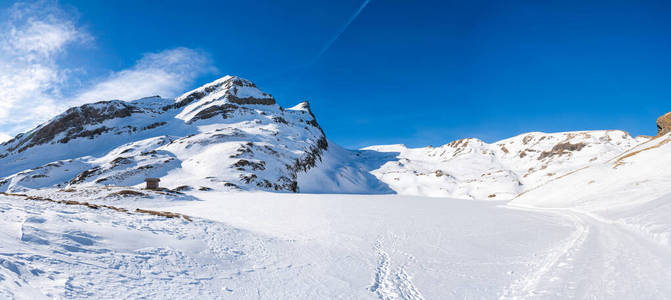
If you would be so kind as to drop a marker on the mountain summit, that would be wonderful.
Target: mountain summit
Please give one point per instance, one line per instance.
(230, 135)
(227, 134)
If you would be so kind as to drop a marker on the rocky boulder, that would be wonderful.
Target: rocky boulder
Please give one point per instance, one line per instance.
(664, 124)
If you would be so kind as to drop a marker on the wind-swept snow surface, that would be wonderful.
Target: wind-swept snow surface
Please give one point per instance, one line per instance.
(601, 260)
(273, 246)
(445, 248)
(278, 246)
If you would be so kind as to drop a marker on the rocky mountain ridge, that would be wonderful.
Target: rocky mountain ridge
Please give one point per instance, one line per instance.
(226, 135)
(473, 169)
(230, 135)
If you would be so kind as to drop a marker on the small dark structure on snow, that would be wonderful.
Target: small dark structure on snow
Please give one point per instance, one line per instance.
(152, 183)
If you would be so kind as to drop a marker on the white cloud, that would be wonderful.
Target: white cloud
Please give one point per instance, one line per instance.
(33, 36)
(36, 31)
(5, 137)
(164, 73)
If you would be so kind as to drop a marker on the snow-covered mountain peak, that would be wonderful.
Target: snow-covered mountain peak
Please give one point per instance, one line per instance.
(463, 146)
(542, 146)
(387, 148)
(236, 87)
(221, 96)
(227, 134)
(304, 106)
(472, 168)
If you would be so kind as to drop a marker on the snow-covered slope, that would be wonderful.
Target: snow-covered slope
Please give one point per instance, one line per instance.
(471, 168)
(267, 246)
(632, 189)
(588, 219)
(259, 245)
(637, 175)
(229, 135)
(226, 135)
(345, 171)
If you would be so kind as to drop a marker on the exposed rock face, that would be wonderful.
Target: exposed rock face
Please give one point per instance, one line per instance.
(73, 122)
(664, 124)
(561, 149)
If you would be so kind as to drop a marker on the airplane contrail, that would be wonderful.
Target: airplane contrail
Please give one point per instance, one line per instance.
(349, 21)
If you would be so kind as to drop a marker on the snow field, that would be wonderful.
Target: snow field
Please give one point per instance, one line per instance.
(270, 246)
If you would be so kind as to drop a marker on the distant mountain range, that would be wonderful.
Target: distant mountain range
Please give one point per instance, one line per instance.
(230, 135)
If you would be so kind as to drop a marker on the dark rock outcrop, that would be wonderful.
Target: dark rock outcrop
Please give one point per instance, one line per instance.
(231, 85)
(216, 110)
(561, 149)
(664, 124)
(73, 123)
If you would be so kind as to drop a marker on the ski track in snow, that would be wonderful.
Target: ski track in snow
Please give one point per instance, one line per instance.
(53, 250)
(600, 259)
(527, 285)
(392, 286)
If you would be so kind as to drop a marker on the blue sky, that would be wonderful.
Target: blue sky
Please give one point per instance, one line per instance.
(413, 72)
